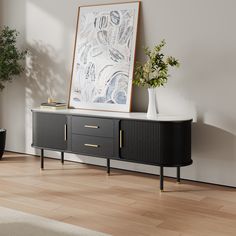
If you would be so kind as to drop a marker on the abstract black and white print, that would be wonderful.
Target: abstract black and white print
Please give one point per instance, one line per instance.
(104, 57)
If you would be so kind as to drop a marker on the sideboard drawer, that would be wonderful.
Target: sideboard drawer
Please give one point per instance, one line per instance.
(92, 126)
(89, 145)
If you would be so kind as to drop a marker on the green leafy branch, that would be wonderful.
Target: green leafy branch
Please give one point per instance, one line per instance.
(154, 72)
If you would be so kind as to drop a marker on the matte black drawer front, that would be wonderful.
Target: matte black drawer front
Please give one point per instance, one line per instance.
(89, 145)
(92, 126)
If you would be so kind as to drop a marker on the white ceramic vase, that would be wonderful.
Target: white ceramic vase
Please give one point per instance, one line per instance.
(152, 106)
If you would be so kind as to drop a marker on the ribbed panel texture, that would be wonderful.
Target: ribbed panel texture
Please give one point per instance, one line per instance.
(140, 141)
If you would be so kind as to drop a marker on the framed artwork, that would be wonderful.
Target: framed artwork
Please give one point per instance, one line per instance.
(104, 53)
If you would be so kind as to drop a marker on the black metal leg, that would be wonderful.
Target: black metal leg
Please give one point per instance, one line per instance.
(62, 157)
(42, 158)
(161, 178)
(108, 166)
(178, 174)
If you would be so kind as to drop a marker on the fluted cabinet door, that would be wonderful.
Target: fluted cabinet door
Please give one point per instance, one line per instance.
(140, 141)
(50, 131)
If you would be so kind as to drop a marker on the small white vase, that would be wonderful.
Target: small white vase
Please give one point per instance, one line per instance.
(152, 108)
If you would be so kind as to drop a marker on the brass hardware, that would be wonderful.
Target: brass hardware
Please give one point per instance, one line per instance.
(91, 126)
(121, 138)
(65, 132)
(91, 145)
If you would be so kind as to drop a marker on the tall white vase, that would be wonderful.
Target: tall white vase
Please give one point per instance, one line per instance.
(152, 106)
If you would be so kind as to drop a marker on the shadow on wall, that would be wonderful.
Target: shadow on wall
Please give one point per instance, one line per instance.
(64, 9)
(211, 83)
(137, 104)
(211, 87)
(213, 151)
(46, 75)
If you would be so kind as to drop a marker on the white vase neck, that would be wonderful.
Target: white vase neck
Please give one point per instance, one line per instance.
(152, 110)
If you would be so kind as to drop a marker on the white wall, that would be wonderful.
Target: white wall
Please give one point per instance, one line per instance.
(200, 33)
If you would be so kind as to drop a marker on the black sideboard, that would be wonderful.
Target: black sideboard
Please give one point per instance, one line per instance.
(164, 142)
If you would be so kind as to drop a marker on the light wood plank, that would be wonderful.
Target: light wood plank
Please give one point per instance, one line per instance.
(123, 203)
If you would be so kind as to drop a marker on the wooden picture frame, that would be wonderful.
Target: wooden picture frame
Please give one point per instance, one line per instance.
(104, 54)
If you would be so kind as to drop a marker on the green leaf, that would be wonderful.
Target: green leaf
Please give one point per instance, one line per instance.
(154, 72)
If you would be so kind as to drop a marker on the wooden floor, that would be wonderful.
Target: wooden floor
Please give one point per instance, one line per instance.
(123, 203)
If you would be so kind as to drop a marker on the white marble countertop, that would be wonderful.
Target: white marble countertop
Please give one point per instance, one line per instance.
(124, 115)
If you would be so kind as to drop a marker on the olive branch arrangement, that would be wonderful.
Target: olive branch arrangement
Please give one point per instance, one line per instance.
(154, 72)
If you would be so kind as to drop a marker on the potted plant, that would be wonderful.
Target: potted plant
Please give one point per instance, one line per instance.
(10, 66)
(153, 73)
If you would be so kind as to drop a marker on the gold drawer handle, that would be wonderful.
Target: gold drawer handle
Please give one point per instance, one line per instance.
(91, 145)
(65, 132)
(121, 138)
(91, 126)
